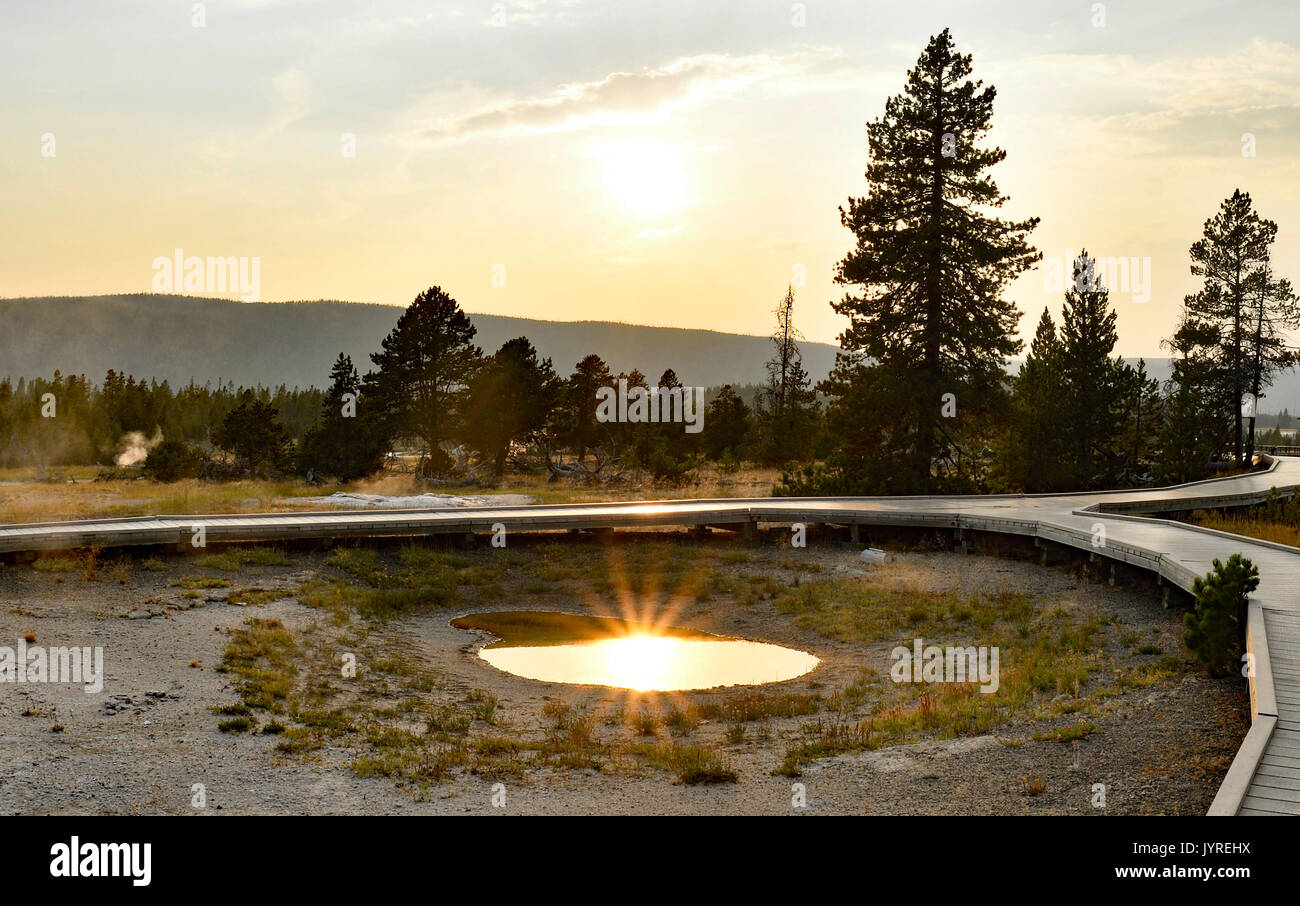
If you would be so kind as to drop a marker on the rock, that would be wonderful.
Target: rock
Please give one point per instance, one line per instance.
(139, 615)
(872, 555)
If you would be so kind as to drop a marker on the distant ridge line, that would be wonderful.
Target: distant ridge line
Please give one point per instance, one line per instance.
(178, 338)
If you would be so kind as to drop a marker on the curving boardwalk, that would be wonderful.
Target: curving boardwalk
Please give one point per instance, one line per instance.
(1265, 775)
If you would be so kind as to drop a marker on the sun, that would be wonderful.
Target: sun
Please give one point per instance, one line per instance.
(644, 178)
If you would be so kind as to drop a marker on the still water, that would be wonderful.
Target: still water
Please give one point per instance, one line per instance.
(602, 651)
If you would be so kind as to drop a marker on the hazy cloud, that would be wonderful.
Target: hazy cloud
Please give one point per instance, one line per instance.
(625, 98)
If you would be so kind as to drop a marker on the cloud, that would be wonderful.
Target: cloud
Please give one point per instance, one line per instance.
(1185, 105)
(530, 12)
(631, 98)
(1257, 75)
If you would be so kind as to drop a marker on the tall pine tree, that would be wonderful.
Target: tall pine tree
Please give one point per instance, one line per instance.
(422, 371)
(928, 273)
(1093, 381)
(1271, 308)
(578, 427)
(1233, 324)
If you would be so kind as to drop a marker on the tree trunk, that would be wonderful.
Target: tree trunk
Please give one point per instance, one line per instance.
(1236, 364)
(1257, 377)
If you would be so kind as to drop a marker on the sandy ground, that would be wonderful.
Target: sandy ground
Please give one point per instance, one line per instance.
(144, 742)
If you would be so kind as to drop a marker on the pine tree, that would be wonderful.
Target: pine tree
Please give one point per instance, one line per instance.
(344, 443)
(1191, 426)
(1272, 307)
(871, 455)
(1141, 418)
(931, 265)
(423, 368)
(1237, 317)
(786, 406)
(1093, 382)
(665, 448)
(579, 429)
(1033, 453)
(727, 425)
(253, 432)
(509, 401)
(1216, 627)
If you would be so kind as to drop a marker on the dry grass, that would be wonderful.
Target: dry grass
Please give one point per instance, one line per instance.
(1251, 526)
(1054, 665)
(74, 494)
(1277, 519)
(1061, 668)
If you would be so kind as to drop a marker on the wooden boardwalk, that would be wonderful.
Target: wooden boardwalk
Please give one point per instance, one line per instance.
(1265, 775)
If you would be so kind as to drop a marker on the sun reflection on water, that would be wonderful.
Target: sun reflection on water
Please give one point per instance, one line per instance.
(643, 661)
(628, 638)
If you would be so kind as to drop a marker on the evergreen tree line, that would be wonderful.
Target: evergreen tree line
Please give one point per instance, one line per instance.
(434, 391)
(70, 420)
(431, 391)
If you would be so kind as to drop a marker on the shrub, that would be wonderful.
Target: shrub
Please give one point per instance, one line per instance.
(669, 467)
(173, 460)
(1216, 628)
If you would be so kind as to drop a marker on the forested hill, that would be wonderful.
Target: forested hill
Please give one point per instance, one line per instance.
(294, 343)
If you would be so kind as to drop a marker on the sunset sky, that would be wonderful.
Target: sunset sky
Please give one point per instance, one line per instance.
(669, 163)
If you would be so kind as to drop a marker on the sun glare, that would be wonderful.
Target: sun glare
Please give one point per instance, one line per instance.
(639, 661)
(645, 178)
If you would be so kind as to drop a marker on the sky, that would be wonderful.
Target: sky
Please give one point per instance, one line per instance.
(670, 163)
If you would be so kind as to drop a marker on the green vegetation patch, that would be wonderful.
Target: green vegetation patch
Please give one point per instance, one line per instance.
(235, 558)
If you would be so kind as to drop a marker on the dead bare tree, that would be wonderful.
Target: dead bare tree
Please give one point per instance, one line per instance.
(583, 472)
